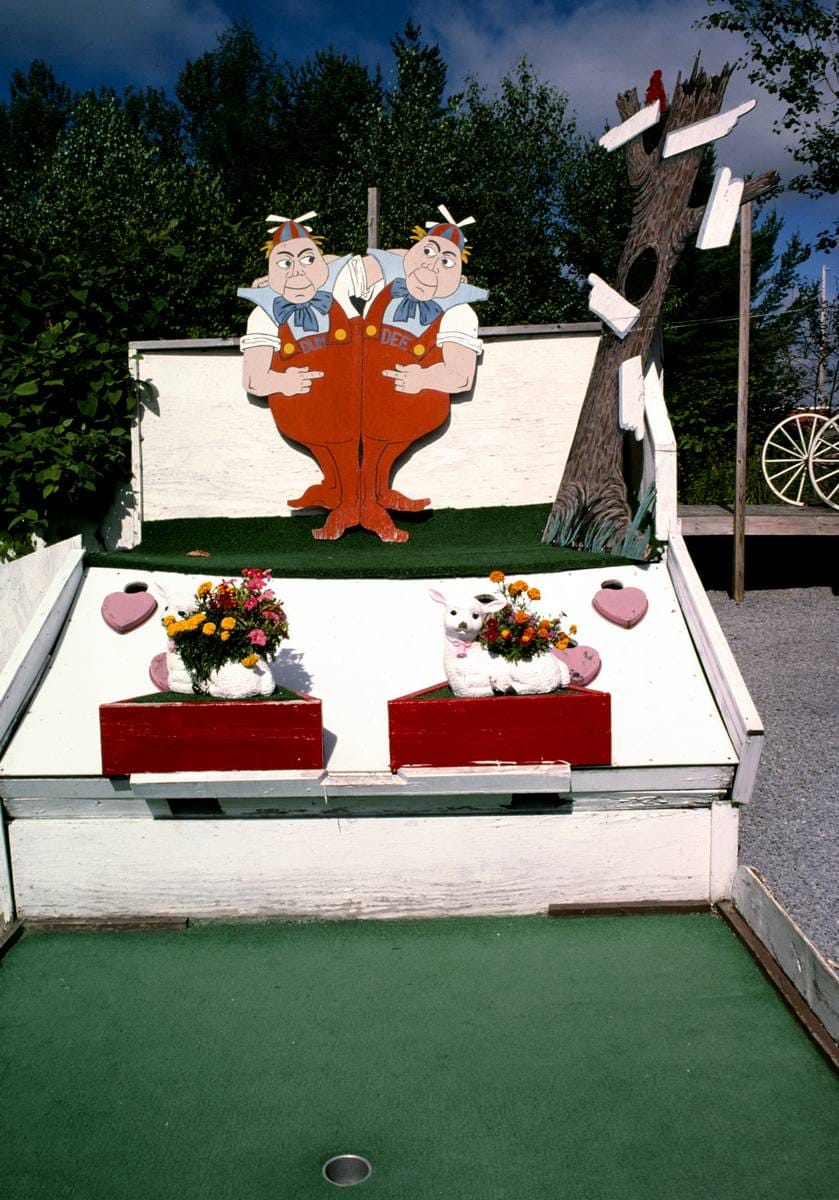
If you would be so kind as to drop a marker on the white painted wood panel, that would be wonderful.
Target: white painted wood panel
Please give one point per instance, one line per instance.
(26, 663)
(375, 867)
(735, 703)
(725, 826)
(619, 135)
(721, 211)
(663, 713)
(23, 584)
(795, 954)
(495, 449)
(659, 455)
(631, 396)
(708, 130)
(7, 898)
(612, 308)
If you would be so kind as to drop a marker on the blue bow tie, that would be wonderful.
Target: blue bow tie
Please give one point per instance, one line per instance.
(302, 315)
(425, 311)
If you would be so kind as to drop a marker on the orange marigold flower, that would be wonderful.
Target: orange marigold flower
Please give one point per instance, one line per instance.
(228, 622)
(497, 576)
(534, 593)
(526, 637)
(542, 633)
(505, 633)
(563, 643)
(203, 588)
(521, 618)
(518, 586)
(250, 661)
(224, 636)
(169, 619)
(209, 629)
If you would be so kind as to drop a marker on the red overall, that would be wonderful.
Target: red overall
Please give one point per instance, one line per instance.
(326, 420)
(392, 421)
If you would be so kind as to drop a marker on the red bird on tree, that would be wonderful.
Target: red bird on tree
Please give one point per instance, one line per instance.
(655, 91)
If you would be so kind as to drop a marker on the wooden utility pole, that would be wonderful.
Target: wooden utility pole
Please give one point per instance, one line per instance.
(373, 218)
(739, 577)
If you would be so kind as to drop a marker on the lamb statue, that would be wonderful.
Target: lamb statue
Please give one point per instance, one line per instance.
(470, 668)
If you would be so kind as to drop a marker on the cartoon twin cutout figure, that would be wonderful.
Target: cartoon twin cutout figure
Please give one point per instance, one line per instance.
(358, 357)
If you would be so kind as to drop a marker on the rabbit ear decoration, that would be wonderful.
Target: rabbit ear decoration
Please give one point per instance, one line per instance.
(449, 229)
(289, 227)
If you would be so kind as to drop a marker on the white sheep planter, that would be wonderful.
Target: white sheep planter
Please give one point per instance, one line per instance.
(472, 671)
(229, 682)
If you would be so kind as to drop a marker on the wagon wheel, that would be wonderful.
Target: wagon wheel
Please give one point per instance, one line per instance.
(824, 463)
(786, 455)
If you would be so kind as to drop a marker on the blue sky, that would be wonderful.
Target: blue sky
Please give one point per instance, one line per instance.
(592, 50)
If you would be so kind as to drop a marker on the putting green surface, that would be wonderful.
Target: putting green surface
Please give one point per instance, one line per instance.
(482, 1059)
(448, 543)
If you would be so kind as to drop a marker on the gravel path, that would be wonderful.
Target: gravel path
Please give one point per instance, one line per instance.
(787, 646)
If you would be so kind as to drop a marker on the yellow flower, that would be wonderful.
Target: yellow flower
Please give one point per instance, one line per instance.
(224, 636)
(534, 593)
(497, 577)
(228, 622)
(505, 633)
(250, 661)
(572, 628)
(518, 586)
(169, 619)
(203, 588)
(209, 629)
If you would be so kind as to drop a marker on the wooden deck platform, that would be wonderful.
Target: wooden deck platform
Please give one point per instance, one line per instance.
(762, 520)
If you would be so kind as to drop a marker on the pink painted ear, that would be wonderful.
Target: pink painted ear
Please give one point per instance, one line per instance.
(124, 611)
(622, 606)
(583, 662)
(438, 596)
(159, 672)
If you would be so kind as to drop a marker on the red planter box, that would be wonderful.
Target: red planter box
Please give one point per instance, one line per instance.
(223, 735)
(574, 726)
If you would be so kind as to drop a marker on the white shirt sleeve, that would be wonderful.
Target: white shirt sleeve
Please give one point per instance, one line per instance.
(460, 324)
(262, 331)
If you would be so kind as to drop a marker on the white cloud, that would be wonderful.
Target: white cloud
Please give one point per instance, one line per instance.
(597, 49)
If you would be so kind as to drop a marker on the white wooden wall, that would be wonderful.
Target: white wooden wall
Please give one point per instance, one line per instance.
(207, 451)
(370, 867)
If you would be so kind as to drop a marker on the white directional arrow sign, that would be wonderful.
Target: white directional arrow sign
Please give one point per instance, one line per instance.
(720, 211)
(691, 136)
(645, 118)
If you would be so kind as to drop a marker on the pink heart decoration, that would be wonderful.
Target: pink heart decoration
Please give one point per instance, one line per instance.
(582, 661)
(159, 672)
(124, 611)
(622, 606)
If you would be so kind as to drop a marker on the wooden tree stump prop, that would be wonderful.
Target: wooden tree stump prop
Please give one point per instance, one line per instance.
(592, 507)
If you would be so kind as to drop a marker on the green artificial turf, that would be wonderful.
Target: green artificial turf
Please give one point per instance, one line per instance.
(279, 693)
(484, 1059)
(449, 542)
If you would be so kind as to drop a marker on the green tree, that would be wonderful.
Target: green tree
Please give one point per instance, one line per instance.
(700, 326)
(793, 53)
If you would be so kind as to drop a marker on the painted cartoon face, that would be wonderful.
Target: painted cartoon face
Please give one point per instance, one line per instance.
(433, 268)
(296, 269)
